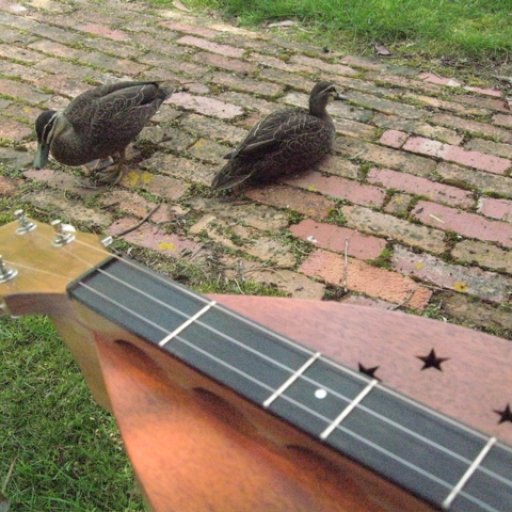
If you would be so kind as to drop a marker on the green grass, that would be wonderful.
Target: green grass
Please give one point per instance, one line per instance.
(65, 450)
(480, 29)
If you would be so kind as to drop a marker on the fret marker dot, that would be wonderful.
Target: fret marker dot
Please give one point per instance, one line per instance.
(320, 393)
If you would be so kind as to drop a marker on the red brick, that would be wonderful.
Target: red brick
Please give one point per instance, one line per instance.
(361, 277)
(439, 80)
(337, 69)
(474, 127)
(489, 147)
(307, 203)
(502, 120)
(336, 238)
(21, 90)
(8, 186)
(163, 186)
(341, 188)
(189, 29)
(472, 280)
(451, 106)
(24, 55)
(155, 238)
(274, 62)
(219, 61)
(489, 163)
(56, 49)
(421, 186)
(386, 106)
(482, 102)
(418, 165)
(104, 31)
(361, 62)
(55, 179)
(466, 224)
(246, 84)
(500, 209)
(206, 106)
(393, 138)
(221, 49)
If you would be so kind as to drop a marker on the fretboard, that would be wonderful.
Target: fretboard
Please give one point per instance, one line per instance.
(432, 456)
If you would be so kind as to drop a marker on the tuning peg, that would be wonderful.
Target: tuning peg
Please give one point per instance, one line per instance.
(6, 273)
(25, 225)
(65, 233)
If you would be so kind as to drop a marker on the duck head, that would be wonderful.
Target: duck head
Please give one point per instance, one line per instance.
(322, 93)
(44, 131)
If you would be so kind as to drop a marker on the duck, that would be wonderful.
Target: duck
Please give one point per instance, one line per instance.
(285, 142)
(97, 124)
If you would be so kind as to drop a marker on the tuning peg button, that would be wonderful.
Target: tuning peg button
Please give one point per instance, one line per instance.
(25, 225)
(65, 233)
(6, 273)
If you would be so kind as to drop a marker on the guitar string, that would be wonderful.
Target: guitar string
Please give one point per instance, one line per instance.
(273, 362)
(328, 421)
(294, 345)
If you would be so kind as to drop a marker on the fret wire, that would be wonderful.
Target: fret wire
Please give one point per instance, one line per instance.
(298, 404)
(467, 475)
(335, 393)
(304, 377)
(170, 283)
(348, 409)
(287, 383)
(185, 324)
(480, 503)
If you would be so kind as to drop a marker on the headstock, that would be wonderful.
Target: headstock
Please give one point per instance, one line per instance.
(38, 261)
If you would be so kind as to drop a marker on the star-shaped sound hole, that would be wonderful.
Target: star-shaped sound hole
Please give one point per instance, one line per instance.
(505, 414)
(431, 360)
(370, 371)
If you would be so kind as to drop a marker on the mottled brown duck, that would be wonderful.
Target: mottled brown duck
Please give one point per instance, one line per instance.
(285, 142)
(98, 124)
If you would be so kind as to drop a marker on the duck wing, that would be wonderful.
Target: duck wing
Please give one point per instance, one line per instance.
(121, 107)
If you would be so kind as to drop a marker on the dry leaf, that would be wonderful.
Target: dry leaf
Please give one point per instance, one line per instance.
(381, 50)
(180, 6)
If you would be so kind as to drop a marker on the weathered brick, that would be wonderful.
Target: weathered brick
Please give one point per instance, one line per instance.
(221, 49)
(450, 106)
(14, 130)
(332, 164)
(502, 120)
(439, 80)
(155, 238)
(485, 91)
(8, 186)
(24, 55)
(15, 89)
(336, 69)
(220, 61)
(209, 151)
(248, 102)
(307, 203)
(361, 300)
(489, 163)
(385, 106)
(482, 182)
(104, 31)
(213, 128)
(417, 127)
(482, 103)
(292, 283)
(162, 186)
(484, 255)
(421, 186)
(286, 78)
(245, 84)
(477, 314)
(388, 157)
(463, 279)
(56, 179)
(475, 127)
(339, 239)
(361, 62)
(369, 221)
(360, 277)
(340, 188)
(393, 138)
(489, 147)
(500, 209)
(464, 223)
(56, 49)
(206, 106)
(407, 83)
(194, 30)
(398, 204)
(274, 62)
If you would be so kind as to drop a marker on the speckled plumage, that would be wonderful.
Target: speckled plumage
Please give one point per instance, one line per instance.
(285, 142)
(98, 123)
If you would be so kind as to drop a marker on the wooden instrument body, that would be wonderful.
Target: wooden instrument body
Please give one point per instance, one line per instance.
(196, 445)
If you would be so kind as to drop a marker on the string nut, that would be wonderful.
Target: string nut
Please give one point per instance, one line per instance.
(6, 273)
(26, 226)
(65, 233)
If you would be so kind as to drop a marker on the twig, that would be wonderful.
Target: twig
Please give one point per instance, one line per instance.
(345, 265)
(139, 224)
(404, 302)
(8, 476)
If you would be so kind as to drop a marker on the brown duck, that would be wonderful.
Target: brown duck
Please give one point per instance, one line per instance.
(98, 123)
(284, 142)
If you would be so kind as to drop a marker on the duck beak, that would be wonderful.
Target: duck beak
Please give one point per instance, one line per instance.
(340, 97)
(42, 155)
